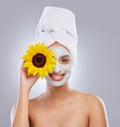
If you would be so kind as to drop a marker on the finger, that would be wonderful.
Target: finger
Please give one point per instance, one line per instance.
(31, 76)
(23, 70)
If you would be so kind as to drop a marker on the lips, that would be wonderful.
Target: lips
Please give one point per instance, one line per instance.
(56, 76)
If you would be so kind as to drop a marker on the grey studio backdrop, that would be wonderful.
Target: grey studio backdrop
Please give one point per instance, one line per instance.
(97, 70)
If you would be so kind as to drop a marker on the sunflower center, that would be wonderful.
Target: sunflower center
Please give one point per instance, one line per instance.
(39, 60)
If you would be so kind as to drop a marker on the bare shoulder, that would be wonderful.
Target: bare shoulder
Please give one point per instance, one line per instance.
(92, 102)
(91, 99)
(95, 100)
(96, 109)
(98, 113)
(96, 106)
(96, 103)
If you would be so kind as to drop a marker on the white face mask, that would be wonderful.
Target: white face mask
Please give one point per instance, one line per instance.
(62, 71)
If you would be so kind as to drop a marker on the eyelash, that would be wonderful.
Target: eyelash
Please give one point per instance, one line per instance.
(64, 61)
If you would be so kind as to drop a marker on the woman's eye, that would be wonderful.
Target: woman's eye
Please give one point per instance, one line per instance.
(65, 61)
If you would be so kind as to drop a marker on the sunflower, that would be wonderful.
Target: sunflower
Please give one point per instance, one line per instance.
(39, 60)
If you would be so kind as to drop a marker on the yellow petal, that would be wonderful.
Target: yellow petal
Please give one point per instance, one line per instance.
(50, 60)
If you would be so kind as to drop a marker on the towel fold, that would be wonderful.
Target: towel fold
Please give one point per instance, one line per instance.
(58, 24)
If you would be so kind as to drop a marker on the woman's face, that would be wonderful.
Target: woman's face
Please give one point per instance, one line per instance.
(62, 71)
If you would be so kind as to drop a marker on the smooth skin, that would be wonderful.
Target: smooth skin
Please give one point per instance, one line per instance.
(57, 106)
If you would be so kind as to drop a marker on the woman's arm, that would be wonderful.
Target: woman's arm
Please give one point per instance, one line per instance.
(19, 113)
(98, 114)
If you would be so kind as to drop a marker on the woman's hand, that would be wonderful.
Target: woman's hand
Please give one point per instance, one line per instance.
(26, 82)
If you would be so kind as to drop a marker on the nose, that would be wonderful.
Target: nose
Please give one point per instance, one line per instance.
(57, 68)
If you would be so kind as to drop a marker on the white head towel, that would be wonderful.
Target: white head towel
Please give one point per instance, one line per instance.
(58, 24)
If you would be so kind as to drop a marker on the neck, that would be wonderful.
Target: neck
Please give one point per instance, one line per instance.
(58, 94)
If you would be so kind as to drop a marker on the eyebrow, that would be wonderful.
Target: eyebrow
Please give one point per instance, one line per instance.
(66, 56)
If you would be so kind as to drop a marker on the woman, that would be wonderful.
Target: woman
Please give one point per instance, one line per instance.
(59, 105)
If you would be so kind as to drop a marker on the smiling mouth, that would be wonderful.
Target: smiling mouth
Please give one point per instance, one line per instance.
(56, 76)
